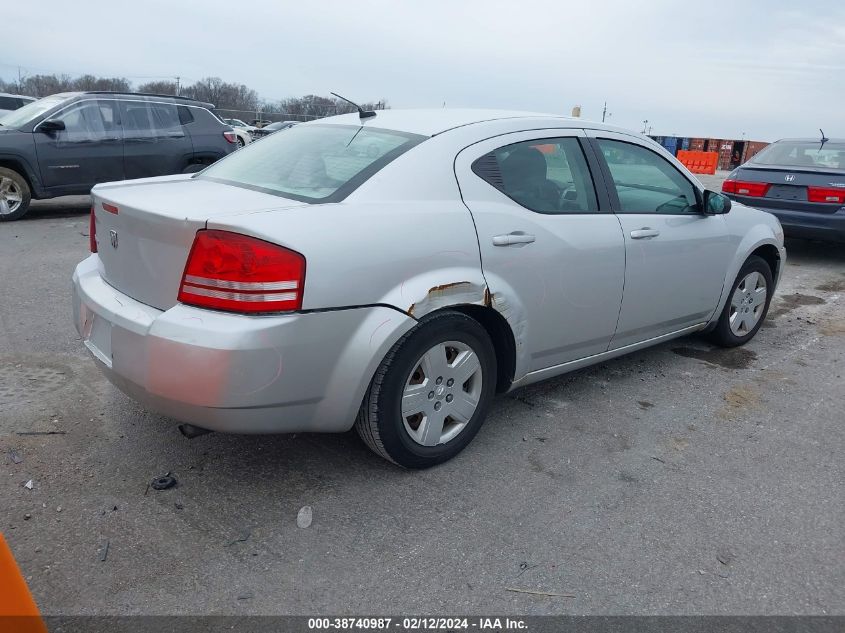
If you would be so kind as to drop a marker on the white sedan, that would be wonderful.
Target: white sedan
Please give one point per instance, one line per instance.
(394, 272)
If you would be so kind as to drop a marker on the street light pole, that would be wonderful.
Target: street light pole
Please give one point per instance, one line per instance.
(645, 125)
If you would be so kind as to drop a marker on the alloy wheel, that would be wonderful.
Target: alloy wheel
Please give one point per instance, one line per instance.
(11, 196)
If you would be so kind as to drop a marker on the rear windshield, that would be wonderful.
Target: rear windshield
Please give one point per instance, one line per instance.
(803, 154)
(312, 163)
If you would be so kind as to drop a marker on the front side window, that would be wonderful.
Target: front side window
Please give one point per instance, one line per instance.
(546, 175)
(312, 163)
(646, 182)
(89, 121)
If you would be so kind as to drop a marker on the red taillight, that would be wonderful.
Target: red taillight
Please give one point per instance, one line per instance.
(231, 137)
(742, 188)
(230, 271)
(826, 194)
(92, 231)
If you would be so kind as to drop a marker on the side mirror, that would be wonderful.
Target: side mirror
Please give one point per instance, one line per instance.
(716, 203)
(51, 125)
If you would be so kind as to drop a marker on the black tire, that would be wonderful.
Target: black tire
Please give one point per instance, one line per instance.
(380, 423)
(22, 187)
(722, 333)
(241, 142)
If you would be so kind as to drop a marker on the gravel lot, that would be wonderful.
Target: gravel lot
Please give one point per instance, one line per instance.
(681, 479)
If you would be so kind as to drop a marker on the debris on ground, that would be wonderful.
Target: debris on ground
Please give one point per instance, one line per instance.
(41, 433)
(540, 593)
(304, 517)
(28, 485)
(241, 538)
(27, 516)
(724, 557)
(524, 567)
(164, 482)
(246, 596)
(16, 459)
(104, 551)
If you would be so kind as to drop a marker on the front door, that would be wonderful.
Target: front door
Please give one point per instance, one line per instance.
(88, 151)
(552, 255)
(675, 254)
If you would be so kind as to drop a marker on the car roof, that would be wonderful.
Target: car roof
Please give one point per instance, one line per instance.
(9, 94)
(435, 121)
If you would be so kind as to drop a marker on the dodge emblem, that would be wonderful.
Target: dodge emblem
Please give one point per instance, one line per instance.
(113, 238)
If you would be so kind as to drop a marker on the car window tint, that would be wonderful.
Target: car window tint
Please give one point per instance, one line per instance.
(151, 120)
(545, 175)
(646, 182)
(85, 123)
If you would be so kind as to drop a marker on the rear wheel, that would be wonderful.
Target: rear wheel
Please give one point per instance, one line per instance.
(431, 393)
(747, 304)
(14, 195)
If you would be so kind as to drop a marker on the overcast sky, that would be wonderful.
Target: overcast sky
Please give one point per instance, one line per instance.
(768, 68)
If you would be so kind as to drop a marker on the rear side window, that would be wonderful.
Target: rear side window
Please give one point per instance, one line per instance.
(185, 115)
(150, 121)
(646, 182)
(547, 176)
(312, 163)
(10, 103)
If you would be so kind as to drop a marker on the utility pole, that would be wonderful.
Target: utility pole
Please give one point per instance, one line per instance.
(645, 125)
(177, 86)
(604, 112)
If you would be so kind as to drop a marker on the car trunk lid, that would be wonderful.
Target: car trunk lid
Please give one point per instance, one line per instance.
(793, 188)
(145, 229)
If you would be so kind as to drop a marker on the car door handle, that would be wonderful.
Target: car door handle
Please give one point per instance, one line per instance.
(511, 239)
(644, 233)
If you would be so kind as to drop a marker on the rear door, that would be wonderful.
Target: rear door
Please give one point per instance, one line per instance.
(88, 151)
(155, 142)
(676, 255)
(552, 255)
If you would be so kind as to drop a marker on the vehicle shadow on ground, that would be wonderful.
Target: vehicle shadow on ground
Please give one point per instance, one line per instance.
(799, 251)
(56, 208)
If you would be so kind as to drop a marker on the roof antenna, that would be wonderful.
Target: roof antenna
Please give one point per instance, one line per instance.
(363, 114)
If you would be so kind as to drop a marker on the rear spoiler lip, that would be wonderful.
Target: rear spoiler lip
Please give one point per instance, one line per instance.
(821, 171)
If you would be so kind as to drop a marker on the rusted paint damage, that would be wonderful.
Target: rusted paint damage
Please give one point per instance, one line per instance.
(454, 293)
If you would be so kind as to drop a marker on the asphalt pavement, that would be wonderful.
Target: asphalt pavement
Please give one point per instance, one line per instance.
(680, 479)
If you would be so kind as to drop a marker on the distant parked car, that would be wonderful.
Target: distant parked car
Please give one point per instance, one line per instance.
(9, 102)
(307, 283)
(238, 123)
(66, 143)
(267, 130)
(244, 137)
(801, 181)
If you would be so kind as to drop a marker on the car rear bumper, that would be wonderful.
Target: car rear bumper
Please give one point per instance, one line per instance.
(806, 224)
(235, 373)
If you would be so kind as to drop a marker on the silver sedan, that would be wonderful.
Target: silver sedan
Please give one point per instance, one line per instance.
(395, 272)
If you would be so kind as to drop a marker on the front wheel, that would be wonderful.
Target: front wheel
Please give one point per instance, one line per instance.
(747, 304)
(14, 195)
(431, 393)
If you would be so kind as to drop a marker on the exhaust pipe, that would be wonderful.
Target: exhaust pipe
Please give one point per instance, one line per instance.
(190, 431)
